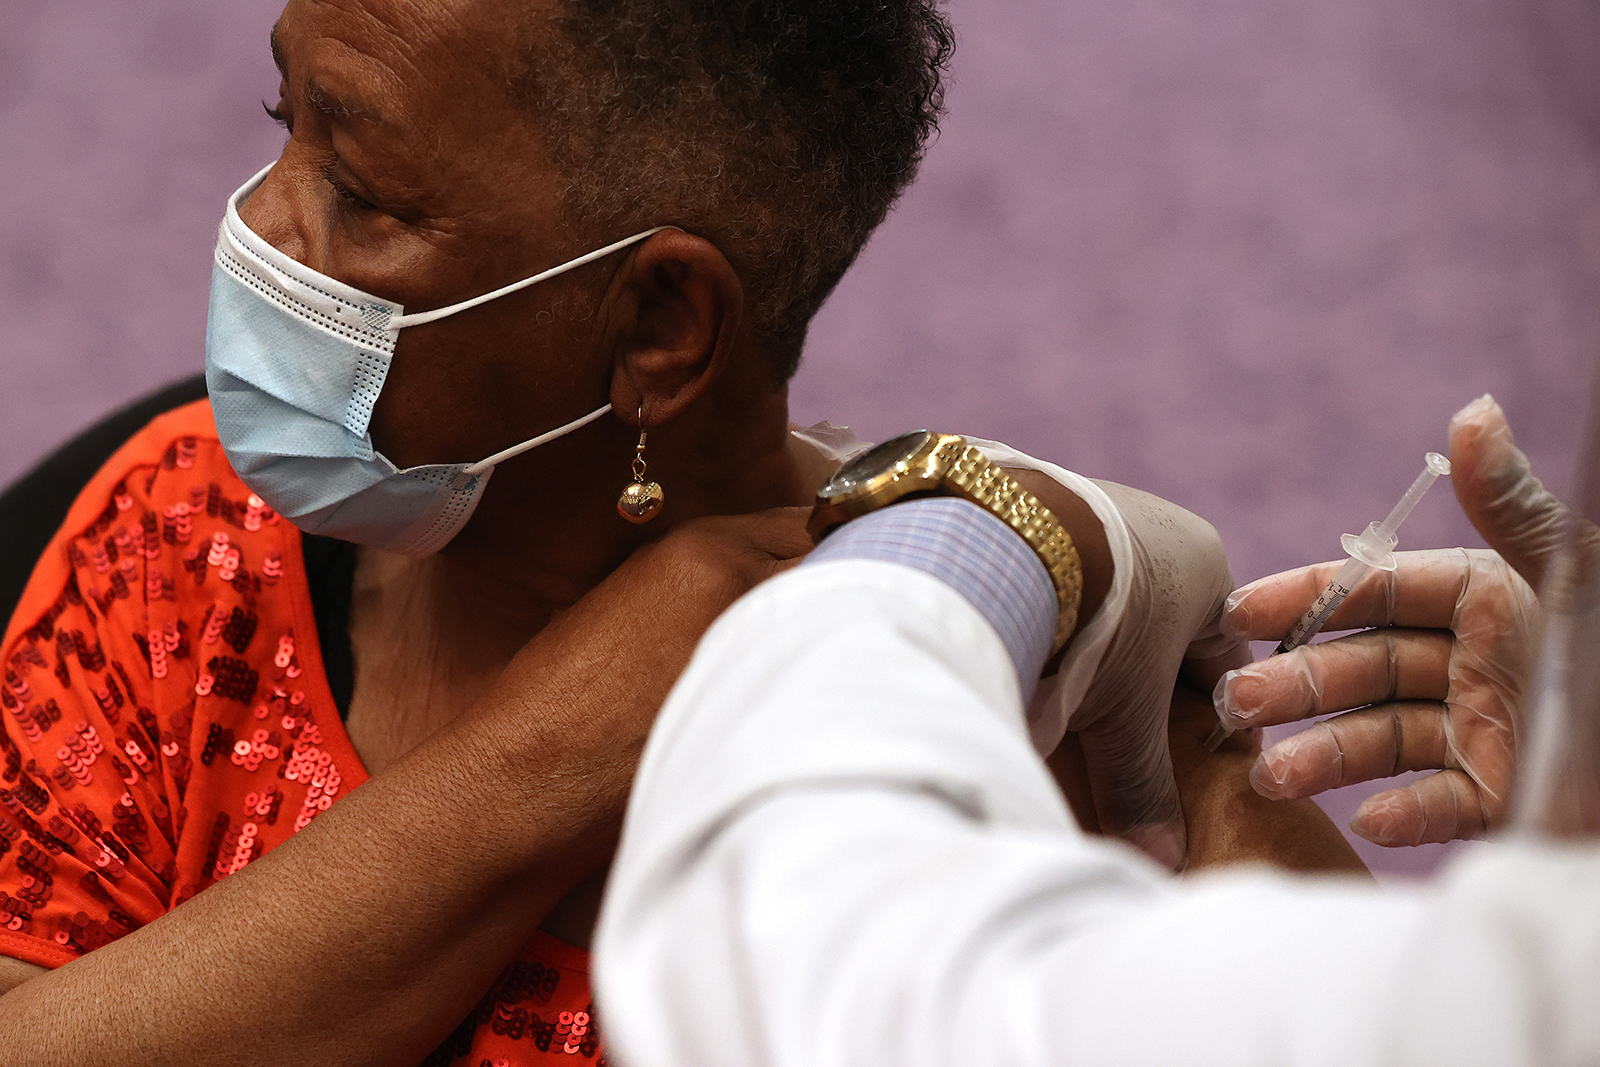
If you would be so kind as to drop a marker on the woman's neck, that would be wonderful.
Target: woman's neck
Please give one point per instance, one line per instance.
(431, 635)
(547, 530)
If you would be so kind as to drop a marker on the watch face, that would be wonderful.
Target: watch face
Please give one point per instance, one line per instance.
(864, 468)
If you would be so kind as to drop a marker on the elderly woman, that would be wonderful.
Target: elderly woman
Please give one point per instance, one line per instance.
(346, 795)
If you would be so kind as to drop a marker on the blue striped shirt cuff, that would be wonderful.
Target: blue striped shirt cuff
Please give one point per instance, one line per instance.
(972, 552)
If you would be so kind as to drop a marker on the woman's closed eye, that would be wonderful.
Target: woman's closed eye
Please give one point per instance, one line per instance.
(344, 191)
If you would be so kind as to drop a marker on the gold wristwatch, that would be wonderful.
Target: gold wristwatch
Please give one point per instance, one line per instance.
(923, 463)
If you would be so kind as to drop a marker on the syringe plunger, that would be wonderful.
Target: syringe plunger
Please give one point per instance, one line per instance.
(1374, 546)
(1433, 465)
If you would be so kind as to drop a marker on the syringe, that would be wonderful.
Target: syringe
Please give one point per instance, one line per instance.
(1373, 548)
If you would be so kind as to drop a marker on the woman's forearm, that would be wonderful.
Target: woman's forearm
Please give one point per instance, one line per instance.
(366, 938)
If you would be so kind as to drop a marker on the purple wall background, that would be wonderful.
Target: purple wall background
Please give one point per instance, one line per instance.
(1247, 254)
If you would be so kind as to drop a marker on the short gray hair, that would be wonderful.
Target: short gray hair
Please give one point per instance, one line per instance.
(780, 130)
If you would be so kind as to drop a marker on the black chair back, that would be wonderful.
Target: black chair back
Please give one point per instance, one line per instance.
(35, 505)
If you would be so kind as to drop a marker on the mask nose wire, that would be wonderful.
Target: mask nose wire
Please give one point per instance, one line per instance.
(517, 450)
(400, 322)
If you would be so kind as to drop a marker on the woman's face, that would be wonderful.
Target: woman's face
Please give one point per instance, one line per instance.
(410, 173)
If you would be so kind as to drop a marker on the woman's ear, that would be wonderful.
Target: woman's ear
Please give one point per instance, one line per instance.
(676, 308)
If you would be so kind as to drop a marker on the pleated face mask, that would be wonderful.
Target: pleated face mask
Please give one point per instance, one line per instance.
(295, 361)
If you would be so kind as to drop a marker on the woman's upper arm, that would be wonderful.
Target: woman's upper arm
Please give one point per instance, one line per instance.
(1228, 821)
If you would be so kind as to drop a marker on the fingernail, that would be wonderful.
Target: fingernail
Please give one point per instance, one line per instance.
(1475, 411)
(1499, 459)
(1271, 773)
(1267, 775)
(1504, 465)
(1300, 765)
(1235, 616)
(1227, 711)
(1162, 842)
(1225, 697)
(1389, 819)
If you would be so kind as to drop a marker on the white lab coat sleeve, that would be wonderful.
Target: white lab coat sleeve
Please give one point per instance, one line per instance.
(841, 851)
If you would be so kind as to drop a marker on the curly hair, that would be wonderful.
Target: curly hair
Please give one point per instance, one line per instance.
(780, 130)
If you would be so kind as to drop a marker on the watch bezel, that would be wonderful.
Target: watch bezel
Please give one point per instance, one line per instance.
(935, 463)
(915, 469)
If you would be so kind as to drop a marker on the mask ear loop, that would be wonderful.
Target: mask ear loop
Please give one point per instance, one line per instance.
(400, 322)
(516, 450)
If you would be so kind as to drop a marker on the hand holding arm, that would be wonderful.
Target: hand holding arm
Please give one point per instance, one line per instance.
(842, 814)
(1178, 580)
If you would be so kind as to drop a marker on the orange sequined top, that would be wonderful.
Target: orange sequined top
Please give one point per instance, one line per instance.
(168, 719)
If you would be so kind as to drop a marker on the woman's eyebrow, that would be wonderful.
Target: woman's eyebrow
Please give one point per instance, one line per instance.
(277, 52)
(319, 98)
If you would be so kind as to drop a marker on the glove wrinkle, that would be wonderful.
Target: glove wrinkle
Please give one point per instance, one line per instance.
(1441, 681)
(1450, 670)
(1179, 580)
(1399, 739)
(1391, 662)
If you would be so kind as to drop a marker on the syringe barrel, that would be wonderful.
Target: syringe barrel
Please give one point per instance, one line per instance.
(1316, 616)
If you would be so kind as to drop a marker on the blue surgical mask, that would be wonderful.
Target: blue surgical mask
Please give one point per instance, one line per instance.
(295, 361)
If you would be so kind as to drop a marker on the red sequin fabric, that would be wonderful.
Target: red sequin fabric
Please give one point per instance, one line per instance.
(167, 721)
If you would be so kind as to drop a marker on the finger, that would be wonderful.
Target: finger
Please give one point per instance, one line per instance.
(1422, 591)
(1135, 792)
(1378, 742)
(1210, 657)
(1371, 667)
(777, 532)
(1441, 807)
(1511, 508)
(778, 566)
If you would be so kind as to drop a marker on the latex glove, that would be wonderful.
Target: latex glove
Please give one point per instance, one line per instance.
(1439, 687)
(1180, 579)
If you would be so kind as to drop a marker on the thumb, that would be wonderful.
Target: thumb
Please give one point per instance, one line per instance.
(1135, 792)
(1507, 505)
(1215, 651)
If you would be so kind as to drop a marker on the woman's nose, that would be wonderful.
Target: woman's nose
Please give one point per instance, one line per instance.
(279, 210)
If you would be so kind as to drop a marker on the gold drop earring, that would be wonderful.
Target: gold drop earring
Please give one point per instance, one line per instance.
(640, 500)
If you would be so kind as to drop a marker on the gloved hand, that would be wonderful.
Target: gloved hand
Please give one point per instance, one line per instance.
(1440, 686)
(1179, 581)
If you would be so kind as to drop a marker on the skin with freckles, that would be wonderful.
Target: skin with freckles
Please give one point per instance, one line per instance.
(1438, 685)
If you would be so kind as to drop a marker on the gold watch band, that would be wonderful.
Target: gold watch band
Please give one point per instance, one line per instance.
(971, 474)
